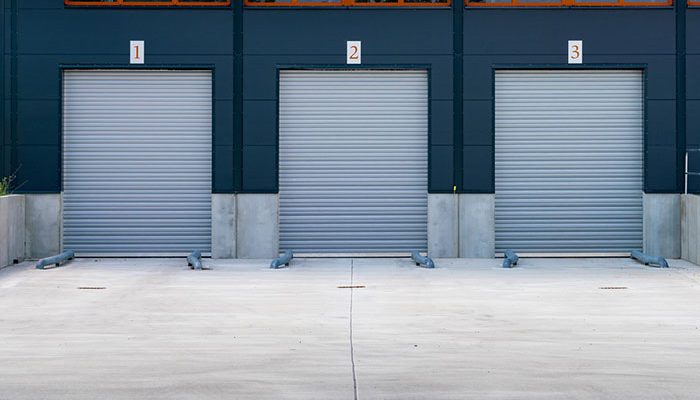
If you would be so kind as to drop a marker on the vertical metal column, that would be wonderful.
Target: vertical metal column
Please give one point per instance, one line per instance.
(238, 95)
(13, 163)
(681, 145)
(458, 97)
(3, 53)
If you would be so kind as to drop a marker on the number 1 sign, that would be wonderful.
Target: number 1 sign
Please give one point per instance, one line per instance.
(137, 51)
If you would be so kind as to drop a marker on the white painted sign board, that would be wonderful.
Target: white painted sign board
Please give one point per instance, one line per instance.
(575, 51)
(138, 51)
(354, 52)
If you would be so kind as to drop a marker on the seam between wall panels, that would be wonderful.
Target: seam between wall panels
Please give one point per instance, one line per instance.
(681, 101)
(13, 87)
(2, 92)
(238, 16)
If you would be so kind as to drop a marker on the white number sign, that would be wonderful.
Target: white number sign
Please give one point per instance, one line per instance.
(354, 52)
(138, 51)
(575, 51)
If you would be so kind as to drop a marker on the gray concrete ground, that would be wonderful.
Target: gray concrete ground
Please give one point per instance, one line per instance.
(467, 330)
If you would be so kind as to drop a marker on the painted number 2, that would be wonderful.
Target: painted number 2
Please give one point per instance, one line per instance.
(354, 53)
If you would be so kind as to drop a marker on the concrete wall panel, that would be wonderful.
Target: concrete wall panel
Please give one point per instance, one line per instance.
(662, 225)
(43, 219)
(690, 222)
(443, 225)
(477, 235)
(257, 234)
(12, 229)
(223, 226)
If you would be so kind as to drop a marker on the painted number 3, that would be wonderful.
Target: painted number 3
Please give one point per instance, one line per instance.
(575, 52)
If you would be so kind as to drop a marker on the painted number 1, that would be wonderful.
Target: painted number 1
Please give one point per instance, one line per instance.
(137, 51)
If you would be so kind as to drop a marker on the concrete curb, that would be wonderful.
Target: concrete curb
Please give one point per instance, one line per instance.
(12, 230)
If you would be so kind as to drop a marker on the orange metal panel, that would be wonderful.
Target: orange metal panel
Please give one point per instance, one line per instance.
(573, 3)
(347, 3)
(160, 3)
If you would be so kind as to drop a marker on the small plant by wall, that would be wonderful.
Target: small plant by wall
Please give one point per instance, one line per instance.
(5, 185)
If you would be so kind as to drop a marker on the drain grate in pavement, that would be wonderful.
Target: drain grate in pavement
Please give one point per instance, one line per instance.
(351, 287)
(614, 288)
(92, 288)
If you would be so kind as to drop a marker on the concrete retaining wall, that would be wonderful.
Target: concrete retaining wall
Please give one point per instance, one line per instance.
(223, 225)
(662, 228)
(44, 213)
(245, 226)
(12, 230)
(257, 230)
(461, 225)
(690, 228)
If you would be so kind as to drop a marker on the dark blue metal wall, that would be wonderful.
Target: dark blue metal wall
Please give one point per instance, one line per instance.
(245, 154)
(3, 79)
(51, 36)
(316, 38)
(693, 94)
(612, 38)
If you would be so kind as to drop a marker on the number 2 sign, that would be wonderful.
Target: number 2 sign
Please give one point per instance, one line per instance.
(575, 51)
(354, 54)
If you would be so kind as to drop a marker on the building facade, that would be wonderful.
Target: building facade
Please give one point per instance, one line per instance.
(461, 129)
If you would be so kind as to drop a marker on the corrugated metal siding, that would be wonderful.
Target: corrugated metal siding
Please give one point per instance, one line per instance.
(569, 152)
(137, 162)
(353, 161)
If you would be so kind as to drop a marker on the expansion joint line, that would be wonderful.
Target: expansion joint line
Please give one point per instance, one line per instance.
(352, 346)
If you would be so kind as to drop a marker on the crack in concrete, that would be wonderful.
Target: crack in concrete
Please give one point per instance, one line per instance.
(352, 346)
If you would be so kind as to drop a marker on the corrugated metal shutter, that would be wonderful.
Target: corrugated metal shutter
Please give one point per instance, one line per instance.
(353, 161)
(137, 162)
(569, 148)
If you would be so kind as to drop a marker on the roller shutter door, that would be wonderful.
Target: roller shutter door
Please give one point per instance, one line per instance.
(137, 162)
(353, 161)
(569, 151)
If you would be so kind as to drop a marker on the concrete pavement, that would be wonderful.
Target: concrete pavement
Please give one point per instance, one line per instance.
(151, 328)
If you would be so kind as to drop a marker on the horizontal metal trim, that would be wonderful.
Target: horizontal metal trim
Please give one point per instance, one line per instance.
(569, 255)
(352, 255)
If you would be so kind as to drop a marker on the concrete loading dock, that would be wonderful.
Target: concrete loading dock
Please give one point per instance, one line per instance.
(468, 329)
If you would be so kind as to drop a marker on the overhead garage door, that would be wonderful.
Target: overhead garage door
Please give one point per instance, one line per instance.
(353, 161)
(569, 148)
(137, 162)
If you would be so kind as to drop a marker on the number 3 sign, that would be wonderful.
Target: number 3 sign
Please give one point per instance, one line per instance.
(354, 54)
(575, 51)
